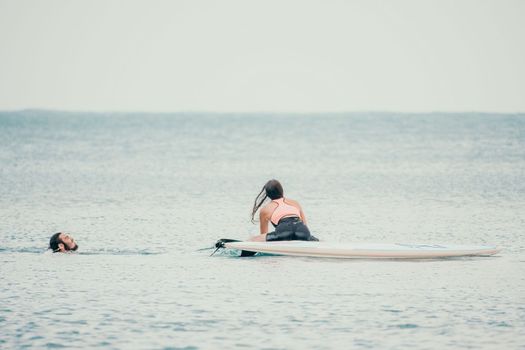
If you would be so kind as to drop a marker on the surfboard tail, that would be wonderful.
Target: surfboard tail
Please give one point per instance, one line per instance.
(221, 244)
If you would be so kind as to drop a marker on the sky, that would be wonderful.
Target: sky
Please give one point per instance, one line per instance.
(263, 56)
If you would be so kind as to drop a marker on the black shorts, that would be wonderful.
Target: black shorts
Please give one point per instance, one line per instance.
(290, 229)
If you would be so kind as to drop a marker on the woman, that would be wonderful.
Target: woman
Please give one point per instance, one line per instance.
(285, 214)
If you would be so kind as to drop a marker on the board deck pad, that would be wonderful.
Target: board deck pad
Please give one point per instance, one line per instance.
(363, 250)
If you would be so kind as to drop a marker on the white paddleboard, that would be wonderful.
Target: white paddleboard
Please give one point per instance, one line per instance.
(363, 250)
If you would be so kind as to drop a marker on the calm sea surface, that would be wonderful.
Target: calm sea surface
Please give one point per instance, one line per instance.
(142, 194)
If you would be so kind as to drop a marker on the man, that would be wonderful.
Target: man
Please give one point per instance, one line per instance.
(62, 242)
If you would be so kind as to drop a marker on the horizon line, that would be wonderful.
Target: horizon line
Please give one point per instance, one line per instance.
(196, 112)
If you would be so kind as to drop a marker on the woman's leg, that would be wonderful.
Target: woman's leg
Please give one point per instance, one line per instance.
(259, 238)
(283, 232)
(302, 232)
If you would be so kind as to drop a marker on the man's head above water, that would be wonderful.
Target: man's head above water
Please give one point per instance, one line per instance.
(62, 242)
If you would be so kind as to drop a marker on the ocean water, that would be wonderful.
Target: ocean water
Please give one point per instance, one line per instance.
(145, 194)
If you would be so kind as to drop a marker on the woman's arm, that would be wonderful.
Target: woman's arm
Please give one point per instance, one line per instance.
(263, 222)
(263, 226)
(303, 217)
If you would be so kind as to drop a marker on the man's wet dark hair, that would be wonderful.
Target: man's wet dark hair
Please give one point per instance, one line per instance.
(55, 240)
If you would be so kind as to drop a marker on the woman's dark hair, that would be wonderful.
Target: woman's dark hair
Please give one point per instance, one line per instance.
(272, 189)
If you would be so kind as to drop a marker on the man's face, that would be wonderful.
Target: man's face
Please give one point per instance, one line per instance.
(67, 242)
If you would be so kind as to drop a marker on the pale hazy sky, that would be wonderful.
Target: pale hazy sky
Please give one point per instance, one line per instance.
(302, 56)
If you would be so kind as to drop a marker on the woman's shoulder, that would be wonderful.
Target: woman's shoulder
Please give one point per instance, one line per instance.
(292, 202)
(267, 210)
(269, 206)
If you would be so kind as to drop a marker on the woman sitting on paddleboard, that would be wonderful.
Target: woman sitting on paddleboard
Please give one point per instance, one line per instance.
(285, 214)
